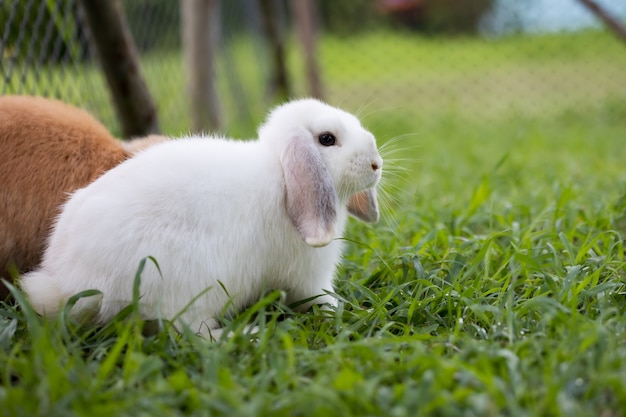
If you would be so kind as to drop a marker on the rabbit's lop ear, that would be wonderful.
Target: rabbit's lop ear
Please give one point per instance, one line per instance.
(311, 197)
(364, 205)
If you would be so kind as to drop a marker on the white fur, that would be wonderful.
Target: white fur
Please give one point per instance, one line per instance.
(210, 211)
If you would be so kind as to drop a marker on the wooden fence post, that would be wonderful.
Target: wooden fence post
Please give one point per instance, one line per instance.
(279, 82)
(118, 57)
(306, 28)
(606, 17)
(200, 32)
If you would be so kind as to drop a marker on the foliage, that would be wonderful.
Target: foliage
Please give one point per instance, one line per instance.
(453, 17)
(345, 18)
(430, 16)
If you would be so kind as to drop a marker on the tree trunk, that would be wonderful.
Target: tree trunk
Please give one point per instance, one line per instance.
(613, 24)
(305, 23)
(279, 82)
(200, 27)
(115, 48)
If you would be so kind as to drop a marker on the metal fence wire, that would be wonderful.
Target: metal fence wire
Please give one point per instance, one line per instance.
(423, 58)
(45, 51)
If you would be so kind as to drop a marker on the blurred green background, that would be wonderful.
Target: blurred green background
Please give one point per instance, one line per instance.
(459, 85)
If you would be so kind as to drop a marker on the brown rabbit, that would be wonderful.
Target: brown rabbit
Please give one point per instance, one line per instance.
(48, 149)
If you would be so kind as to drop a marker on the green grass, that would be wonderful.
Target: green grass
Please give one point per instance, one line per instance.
(495, 284)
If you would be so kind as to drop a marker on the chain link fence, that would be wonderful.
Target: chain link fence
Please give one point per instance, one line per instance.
(44, 51)
(414, 60)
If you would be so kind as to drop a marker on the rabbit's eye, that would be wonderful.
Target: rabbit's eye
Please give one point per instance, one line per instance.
(327, 139)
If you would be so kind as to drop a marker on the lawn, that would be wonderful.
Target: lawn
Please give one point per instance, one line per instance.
(494, 285)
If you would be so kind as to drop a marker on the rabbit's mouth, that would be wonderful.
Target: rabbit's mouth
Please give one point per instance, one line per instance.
(361, 184)
(373, 183)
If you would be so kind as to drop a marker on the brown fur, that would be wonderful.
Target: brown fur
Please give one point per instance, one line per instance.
(48, 149)
(140, 144)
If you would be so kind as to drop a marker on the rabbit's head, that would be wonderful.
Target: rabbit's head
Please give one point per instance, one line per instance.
(328, 160)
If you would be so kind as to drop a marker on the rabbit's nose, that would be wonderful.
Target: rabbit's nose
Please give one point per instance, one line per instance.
(376, 164)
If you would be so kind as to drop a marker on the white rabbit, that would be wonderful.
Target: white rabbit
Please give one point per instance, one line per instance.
(248, 215)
